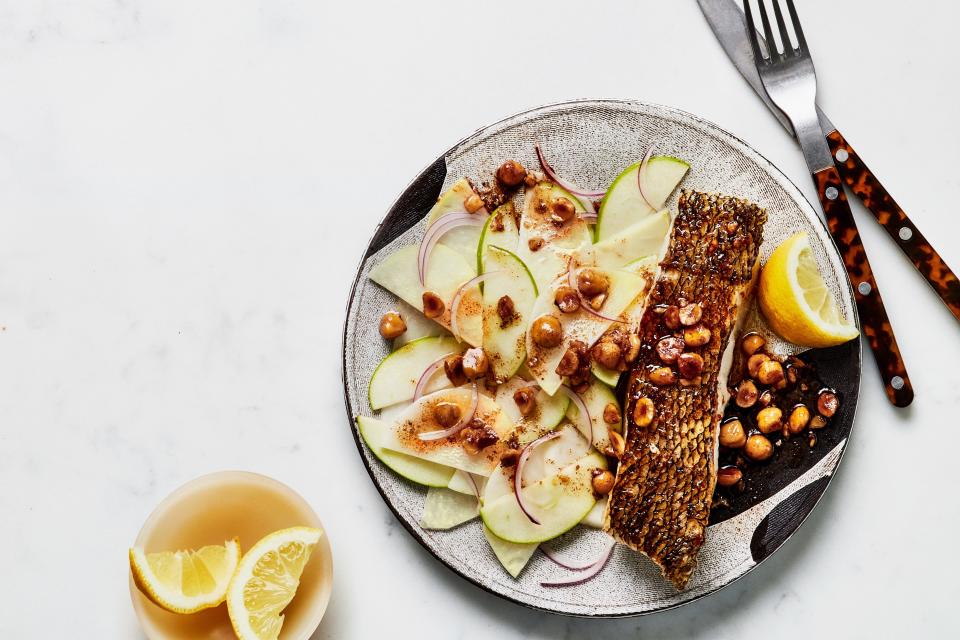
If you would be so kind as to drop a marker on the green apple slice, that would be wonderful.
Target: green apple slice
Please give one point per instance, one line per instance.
(595, 517)
(419, 418)
(504, 341)
(463, 482)
(559, 502)
(374, 432)
(556, 244)
(625, 287)
(395, 378)
(623, 206)
(445, 509)
(499, 230)
(463, 240)
(609, 377)
(548, 413)
(596, 398)
(446, 272)
(645, 238)
(514, 557)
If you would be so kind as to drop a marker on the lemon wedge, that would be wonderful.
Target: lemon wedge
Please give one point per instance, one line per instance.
(796, 301)
(266, 581)
(186, 581)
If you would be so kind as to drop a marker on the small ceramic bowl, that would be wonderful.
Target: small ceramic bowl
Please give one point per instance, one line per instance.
(215, 508)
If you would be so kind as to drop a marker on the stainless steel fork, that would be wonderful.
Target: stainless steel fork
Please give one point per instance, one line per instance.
(790, 81)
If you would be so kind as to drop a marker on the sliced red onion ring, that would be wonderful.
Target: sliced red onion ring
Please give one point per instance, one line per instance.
(444, 224)
(583, 412)
(518, 474)
(553, 557)
(586, 573)
(566, 184)
(584, 303)
(590, 218)
(457, 428)
(426, 375)
(476, 489)
(454, 329)
(641, 177)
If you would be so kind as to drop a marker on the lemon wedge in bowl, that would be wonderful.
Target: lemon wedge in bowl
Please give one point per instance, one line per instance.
(266, 581)
(186, 581)
(796, 301)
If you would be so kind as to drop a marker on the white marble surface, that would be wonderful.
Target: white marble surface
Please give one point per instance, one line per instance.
(185, 190)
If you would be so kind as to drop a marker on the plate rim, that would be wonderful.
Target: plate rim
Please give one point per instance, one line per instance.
(710, 128)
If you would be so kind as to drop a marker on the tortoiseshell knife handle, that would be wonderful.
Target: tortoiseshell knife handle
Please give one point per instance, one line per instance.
(873, 316)
(891, 217)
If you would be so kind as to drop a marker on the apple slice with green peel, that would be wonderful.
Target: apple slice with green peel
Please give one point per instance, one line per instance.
(552, 245)
(500, 230)
(504, 336)
(623, 206)
(446, 272)
(580, 325)
(608, 377)
(395, 378)
(559, 502)
(420, 417)
(548, 411)
(645, 238)
(596, 398)
(463, 482)
(463, 240)
(445, 509)
(595, 517)
(514, 557)
(374, 432)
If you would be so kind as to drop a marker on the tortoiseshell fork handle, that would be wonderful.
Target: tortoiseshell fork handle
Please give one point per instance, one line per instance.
(873, 316)
(891, 217)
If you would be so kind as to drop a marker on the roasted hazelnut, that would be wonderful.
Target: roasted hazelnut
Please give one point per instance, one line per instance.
(758, 447)
(526, 399)
(799, 419)
(611, 414)
(792, 375)
(509, 457)
(765, 398)
(732, 434)
(617, 445)
(562, 210)
(446, 414)
(477, 436)
(475, 363)
(392, 325)
(566, 299)
(690, 314)
(746, 394)
(671, 317)
(535, 243)
(632, 350)
(607, 353)
(569, 363)
(453, 367)
(827, 403)
(769, 419)
(669, 349)
(530, 180)
(818, 422)
(473, 203)
(602, 482)
(511, 173)
(596, 302)
(644, 412)
(433, 306)
(690, 365)
(592, 282)
(754, 362)
(729, 476)
(663, 376)
(770, 373)
(751, 343)
(546, 331)
(697, 335)
(506, 311)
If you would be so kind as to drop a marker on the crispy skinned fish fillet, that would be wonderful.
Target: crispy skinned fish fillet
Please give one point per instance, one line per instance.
(660, 503)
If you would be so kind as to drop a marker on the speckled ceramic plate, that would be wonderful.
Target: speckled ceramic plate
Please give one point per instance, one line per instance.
(590, 142)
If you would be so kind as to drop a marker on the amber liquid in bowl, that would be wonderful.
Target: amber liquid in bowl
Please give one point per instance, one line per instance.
(215, 508)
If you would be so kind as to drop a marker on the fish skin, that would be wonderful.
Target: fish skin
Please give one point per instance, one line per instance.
(660, 503)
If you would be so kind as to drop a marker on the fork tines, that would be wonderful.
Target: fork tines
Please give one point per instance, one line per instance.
(788, 49)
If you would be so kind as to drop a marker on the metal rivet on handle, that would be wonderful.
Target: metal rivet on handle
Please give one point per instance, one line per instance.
(864, 288)
(842, 155)
(831, 193)
(896, 382)
(905, 233)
